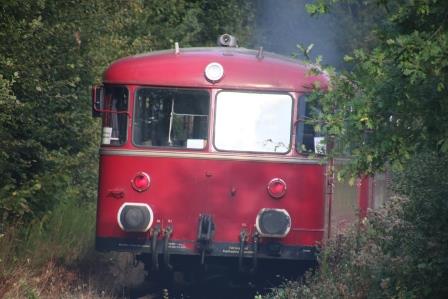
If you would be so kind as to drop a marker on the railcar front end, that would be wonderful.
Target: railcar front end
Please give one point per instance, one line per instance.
(204, 158)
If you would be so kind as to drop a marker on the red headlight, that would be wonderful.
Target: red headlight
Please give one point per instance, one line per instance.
(277, 188)
(141, 181)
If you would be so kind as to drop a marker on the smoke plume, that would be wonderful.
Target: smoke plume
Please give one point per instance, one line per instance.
(281, 25)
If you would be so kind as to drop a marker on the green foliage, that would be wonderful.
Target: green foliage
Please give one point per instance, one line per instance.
(65, 235)
(32, 258)
(399, 252)
(140, 26)
(392, 104)
(47, 124)
(225, 16)
(390, 111)
(50, 53)
(354, 21)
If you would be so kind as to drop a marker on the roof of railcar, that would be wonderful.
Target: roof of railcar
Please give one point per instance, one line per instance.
(242, 70)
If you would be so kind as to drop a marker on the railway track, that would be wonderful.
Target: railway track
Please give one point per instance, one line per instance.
(214, 283)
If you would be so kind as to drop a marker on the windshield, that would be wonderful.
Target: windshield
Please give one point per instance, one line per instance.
(253, 122)
(171, 117)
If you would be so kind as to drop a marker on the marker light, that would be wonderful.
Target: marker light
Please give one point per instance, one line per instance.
(214, 72)
(277, 188)
(141, 181)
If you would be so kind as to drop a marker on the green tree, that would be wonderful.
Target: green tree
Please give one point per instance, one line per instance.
(392, 104)
(47, 123)
(390, 111)
(50, 53)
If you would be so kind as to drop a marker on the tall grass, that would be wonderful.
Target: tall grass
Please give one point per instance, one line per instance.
(64, 234)
(32, 255)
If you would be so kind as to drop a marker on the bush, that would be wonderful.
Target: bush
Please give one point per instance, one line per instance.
(400, 251)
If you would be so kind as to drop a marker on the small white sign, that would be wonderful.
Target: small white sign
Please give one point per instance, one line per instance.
(319, 145)
(195, 143)
(107, 134)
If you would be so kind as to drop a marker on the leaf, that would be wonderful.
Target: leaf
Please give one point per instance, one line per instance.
(348, 58)
(308, 50)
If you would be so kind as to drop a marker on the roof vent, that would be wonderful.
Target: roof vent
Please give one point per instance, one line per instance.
(227, 40)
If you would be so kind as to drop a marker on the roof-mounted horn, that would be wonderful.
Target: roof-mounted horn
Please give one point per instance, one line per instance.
(227, 40)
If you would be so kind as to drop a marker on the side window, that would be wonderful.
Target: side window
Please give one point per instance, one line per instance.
(115, 117)
(171, 117)
(309, 140)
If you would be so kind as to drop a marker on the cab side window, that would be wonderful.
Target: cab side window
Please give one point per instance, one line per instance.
(115, 117)
(309, 140)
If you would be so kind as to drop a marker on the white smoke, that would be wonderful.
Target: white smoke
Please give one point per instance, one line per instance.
(282, 24)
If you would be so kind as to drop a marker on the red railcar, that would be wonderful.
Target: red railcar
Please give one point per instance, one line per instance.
(204, 157)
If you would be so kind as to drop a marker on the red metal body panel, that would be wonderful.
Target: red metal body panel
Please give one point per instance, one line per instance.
(242, 70)
(181, 189)
(364, 196)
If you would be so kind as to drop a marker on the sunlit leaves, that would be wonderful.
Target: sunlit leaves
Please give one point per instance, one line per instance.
(392, 104)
